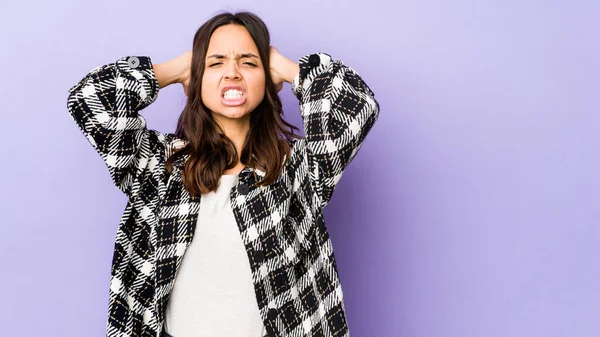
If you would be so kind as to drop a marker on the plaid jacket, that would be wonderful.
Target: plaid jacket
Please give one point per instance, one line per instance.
(289, 250)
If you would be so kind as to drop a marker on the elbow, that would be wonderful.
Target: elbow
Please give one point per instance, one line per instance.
(372, 107)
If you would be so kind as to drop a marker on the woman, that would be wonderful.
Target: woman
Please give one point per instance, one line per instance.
(223, 233)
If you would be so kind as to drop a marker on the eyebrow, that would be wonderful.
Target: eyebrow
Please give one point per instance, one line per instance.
(245, 55)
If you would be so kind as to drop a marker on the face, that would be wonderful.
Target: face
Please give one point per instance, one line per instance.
(233, 83)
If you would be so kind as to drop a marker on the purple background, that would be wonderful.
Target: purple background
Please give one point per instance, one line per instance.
(472, 210)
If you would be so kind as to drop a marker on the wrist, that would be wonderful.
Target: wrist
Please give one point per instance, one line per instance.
(292, 70)
(166, 74)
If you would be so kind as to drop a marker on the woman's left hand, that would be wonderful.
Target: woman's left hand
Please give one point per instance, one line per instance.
(282, 69)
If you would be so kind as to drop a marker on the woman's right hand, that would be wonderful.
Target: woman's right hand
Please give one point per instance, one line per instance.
(176, 70)
(183, 63)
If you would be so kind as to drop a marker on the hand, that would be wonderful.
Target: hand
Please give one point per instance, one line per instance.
(176, 70)
(183, 63)
(282, 69)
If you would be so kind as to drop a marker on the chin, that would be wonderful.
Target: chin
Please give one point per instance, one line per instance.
(233, 112)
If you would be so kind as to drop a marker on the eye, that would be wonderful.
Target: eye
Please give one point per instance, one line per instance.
(215, 64)
(250, 64)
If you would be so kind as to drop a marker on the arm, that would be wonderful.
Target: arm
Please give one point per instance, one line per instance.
(176, 70)
(338, 111)
(105, 105)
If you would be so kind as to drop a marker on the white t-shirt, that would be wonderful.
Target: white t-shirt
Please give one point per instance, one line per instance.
(213, 294)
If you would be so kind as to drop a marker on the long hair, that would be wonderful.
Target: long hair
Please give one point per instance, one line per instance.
(210, 151)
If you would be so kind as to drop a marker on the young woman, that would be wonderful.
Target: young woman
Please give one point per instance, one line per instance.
(223, 233)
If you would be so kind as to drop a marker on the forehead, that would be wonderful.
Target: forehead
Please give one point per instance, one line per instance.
(231, 39)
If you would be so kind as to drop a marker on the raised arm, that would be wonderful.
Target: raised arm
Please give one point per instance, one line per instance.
(105, 105)
(338, 111)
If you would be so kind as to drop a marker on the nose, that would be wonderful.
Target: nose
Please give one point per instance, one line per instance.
(232, 71)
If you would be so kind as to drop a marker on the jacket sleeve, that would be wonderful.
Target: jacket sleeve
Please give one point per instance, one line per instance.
(338, 110)
(105, 105)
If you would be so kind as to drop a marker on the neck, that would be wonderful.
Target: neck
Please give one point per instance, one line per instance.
(236, 130)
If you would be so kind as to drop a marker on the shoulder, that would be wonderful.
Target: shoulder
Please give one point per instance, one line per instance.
(172, 144)
(297, 147)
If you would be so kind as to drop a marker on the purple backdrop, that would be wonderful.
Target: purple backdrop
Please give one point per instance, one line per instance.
(472, 210)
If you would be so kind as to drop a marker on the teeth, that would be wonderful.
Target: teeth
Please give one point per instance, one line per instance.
(233, 94)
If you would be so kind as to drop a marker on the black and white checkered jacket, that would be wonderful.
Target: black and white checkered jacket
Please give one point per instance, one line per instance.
(289, 250)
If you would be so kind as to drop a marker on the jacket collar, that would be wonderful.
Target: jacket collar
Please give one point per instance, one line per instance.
(181, 160)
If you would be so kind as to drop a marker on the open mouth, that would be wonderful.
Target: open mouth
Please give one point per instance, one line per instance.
(233, 96)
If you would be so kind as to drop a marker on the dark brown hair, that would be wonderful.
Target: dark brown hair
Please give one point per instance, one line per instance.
(210, 151)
